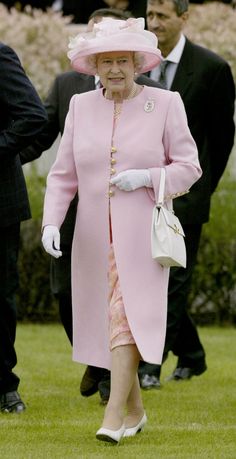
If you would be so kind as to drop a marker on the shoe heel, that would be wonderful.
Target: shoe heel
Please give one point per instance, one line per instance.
(132, 431)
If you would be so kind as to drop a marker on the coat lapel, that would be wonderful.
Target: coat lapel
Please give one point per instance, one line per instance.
(185, 71)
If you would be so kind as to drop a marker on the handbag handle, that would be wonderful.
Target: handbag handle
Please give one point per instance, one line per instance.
(160, 201)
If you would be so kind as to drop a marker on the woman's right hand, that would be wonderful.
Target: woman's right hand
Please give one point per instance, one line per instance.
(131, 179)
(51, 240)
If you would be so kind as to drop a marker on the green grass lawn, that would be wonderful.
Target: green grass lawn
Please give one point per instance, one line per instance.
(187, 420)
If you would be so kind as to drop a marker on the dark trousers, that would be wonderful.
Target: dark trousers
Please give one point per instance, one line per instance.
(65, 310)
(60, 275)
(9, 247)
(61, 287)
(181, 334)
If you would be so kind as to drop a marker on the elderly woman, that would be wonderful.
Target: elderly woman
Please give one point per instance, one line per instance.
(116, 139)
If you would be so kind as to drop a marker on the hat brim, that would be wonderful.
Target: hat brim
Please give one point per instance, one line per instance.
(150, 56)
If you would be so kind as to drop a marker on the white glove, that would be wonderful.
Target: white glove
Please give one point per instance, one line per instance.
(132, 179)
(51, 240)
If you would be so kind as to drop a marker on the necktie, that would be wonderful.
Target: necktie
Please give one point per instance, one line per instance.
(162, 78)
(98, 84)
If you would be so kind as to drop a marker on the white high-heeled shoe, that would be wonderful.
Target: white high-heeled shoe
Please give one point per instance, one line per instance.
(132, 431)
(113, 436)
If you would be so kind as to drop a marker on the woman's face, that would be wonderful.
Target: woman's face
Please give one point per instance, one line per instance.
(116, 71)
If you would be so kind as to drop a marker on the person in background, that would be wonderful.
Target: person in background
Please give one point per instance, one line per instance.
(57, 105)
(97, 15)
(138, 8)
(22, 117)
(205, 83)
(115, 141)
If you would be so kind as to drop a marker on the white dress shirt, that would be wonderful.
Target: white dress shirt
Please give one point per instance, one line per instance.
(97, 82)
(173, 57)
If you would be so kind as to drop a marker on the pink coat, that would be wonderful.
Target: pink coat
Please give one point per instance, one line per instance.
(144, 139)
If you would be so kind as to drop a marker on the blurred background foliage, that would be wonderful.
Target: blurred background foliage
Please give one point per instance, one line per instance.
(213, 292)
(41, 39)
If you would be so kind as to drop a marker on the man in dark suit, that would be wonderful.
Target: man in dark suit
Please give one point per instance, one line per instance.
(57, 105)
(22, 117)
(205, 83)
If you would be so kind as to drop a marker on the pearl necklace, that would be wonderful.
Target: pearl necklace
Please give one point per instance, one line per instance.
(118, 105)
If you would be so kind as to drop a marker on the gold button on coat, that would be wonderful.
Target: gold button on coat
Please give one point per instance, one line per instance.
(113, 171)
(111, 193)
(113, 149)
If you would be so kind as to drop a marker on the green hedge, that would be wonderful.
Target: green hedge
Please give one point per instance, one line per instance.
(213, 292)
(35, 303)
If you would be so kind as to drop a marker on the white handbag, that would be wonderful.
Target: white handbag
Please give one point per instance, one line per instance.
(167, 235)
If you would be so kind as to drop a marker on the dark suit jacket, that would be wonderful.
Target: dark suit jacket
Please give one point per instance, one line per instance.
(205, 83)
(22, 117)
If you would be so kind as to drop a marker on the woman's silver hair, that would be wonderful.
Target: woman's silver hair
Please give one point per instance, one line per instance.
(92, 62)
(139, 60)
(137, 57)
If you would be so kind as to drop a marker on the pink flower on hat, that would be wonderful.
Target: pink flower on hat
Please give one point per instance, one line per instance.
(107, 27)
(114, 35)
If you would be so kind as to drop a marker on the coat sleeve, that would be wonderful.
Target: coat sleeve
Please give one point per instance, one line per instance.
(51, 130)
(182, 164)
(62, 180)
(22, 113)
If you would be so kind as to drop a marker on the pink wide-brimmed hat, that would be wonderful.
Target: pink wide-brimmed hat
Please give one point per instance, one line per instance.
(114, 35)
